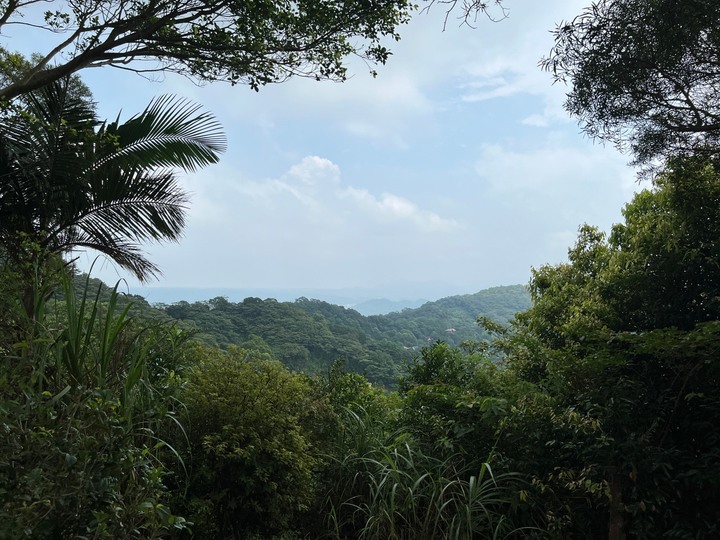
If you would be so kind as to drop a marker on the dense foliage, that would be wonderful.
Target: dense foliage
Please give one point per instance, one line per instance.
(619, 347)
(80, 401)
(252, 459)
(309, 335)
(644, 73)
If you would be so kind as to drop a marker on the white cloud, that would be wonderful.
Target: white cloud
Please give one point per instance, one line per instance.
(553, 112)
(557, 186)
(312, 172)
(307, 226)
(502, 76)
(390, 208)
(551, 165)
(310, 191)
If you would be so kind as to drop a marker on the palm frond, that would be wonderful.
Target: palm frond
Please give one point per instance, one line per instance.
(136, 204)
(40, 158)
(65, 184)
(124, 210)
(125, 254)
(168, 133)
(58, 125)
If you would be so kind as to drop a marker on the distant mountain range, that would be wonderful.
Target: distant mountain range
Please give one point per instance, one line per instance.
(310, 335)
(368, 301)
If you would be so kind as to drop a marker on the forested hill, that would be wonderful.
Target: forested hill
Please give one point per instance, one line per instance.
(452, 319)
(309, 335)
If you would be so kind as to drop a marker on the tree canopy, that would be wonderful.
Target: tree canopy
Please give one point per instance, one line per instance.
(624, 337)
(254, 43)
(242, 42)
(643, 73)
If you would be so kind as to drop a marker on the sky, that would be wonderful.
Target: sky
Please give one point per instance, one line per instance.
(454, 170)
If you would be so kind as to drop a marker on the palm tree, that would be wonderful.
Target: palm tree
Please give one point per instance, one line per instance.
(69, 182)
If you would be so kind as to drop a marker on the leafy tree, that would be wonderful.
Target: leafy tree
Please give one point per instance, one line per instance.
(68, 184)
(453, 403)
(251, 458)
(644, 72)
(620, 346)
(438, 364)
(252, 43)
(669, 248)
(256, 343)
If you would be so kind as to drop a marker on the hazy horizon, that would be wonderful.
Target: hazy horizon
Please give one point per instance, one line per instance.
(351, 296)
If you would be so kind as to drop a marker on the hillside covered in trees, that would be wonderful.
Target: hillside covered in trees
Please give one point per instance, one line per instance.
(310, 335)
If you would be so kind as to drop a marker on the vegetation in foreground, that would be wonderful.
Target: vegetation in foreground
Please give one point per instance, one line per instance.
(600, 419)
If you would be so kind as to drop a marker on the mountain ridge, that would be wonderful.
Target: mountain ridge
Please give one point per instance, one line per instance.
(310, 335)
(406, 295)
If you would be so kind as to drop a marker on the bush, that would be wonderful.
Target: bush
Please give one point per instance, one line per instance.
(251, 460)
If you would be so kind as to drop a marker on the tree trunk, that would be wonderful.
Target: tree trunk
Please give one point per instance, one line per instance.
(616, 521)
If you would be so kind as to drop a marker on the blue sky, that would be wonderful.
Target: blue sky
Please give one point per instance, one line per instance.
(456, 165)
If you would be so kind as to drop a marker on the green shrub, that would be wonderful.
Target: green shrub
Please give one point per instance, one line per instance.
(251, 460)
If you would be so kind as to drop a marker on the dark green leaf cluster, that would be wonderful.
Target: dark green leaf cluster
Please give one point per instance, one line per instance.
(379, 481)
(620, 346)
(644, 73)
(251, 42)
(83, 398)
(252, 460)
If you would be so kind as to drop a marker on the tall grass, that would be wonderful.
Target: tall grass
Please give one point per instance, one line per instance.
(392, 490)
(80, 456)
(413, 495)
(98, 348)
